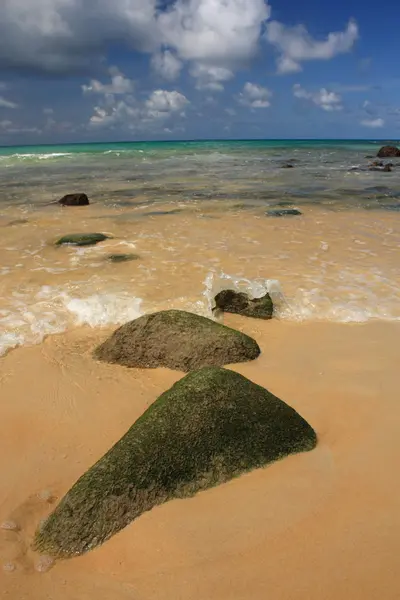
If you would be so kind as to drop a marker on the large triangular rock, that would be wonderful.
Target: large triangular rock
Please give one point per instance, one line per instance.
(211, 426)
(176, 339)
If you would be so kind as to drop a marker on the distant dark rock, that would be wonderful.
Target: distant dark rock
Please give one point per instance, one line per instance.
(241, 304)
(385, 169)
(211, 426)
(284, 212)
(120, 258)
(74, 200)
(388, 152)
(287, 166)
(82, 239)
(177, 340)
(377, 163)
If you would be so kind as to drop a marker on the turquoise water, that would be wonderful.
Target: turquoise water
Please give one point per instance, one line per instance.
(330, 172)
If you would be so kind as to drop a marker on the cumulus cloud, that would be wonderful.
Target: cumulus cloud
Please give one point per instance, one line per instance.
(373, 123)
(117, 107)
(328, 101)
(119, 85)
(167, 65)
(255, 96)
(4, 103)
(210, 78)
(295, 45)
(65, 35)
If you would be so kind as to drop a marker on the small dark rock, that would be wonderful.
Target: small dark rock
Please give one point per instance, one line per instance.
(385, 169)
(17, 222)
(287, 166)
(377, 163)
(388, 152)
(178, 340)
(74, 200)
(82, 239)
(241, 304)
(286, 212)
(120, 258)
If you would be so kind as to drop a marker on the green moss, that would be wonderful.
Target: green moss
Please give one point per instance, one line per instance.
(82, 239)
(178, 340)
(120, 258)
(211, 426)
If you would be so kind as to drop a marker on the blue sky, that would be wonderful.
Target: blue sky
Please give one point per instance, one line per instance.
(95, 70)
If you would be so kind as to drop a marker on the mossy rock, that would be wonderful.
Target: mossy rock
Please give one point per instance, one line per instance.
(82, 239)
(178, 340)
(211, 426)
(120, 258)
(283, 212)
(241, 304)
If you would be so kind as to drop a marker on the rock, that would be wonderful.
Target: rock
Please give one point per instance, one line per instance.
(211, 426)
(17, 222)
(377, 163)
(287, 166)
(241, 304)
(178, 340)
(74, 200)
(82, 239)
(385, 169)
(119, 258)
(388, 152)
(286, 212)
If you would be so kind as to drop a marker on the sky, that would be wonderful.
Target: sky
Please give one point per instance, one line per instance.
(102, 70)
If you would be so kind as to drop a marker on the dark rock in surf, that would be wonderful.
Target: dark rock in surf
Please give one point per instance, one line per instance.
(241, 304)
(285, 212)
(82, 239)
(384, 169)
(211, 426)
(121, 258)
(178, 340)
(388, 152)
(287, 166)
(74, 200)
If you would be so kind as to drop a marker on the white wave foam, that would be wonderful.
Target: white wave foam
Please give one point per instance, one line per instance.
(52, 310)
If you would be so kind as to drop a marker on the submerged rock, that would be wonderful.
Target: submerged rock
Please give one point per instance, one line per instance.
(119, 258)
(287, 166)
(384, 169)
(178, 340)
(388, 151)
(284, 212)
(82, 239)
(74, 200)
(211, 426)
(241, 304)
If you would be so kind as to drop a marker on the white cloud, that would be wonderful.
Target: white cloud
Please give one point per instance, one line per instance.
(328, 101)
(9, 127)
(48, 111)
(4, 103)
(161, 103)
(214, 31)
(373, 123)
(210, 78)
(167, 65)
(119, 85)
(66, 35)
(255, 96)
(295, 44)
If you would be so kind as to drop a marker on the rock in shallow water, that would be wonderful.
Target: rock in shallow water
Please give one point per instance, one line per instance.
(241, 304)
(120, 258)
(74, 200)
(285, 212)
(82, 239)
(388, 151)
(178, 340)
(211, 426)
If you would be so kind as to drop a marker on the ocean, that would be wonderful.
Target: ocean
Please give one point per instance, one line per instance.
(196, 210)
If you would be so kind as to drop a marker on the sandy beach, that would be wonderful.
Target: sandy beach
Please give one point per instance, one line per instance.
(319, 525)
(323, 525)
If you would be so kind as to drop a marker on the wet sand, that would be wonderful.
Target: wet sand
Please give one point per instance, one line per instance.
(322, 525)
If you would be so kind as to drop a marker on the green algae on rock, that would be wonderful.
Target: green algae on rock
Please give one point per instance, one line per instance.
(178, 340)
(82, 239)
(211, 426)
(120, 258)
(241, 304)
